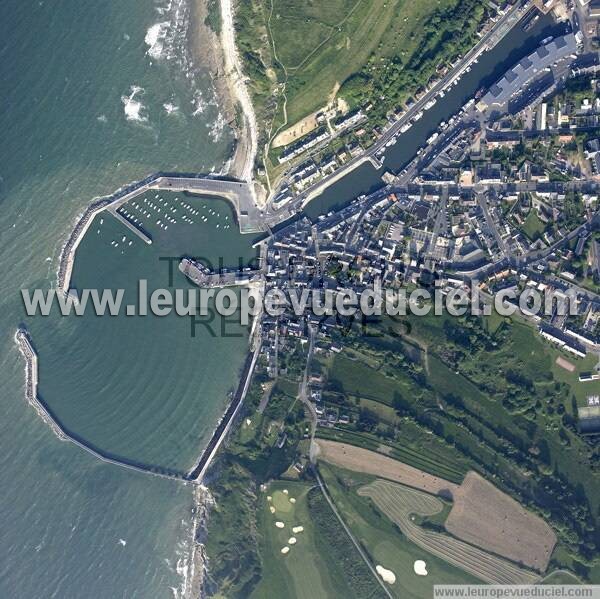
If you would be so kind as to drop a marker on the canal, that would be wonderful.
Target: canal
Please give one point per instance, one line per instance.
(490, 67)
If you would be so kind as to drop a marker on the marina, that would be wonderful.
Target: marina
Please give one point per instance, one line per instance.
(238, 193)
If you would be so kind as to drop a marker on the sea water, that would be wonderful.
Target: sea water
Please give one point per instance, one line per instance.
(93, 96)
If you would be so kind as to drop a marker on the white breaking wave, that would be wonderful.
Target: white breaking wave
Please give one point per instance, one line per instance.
(198, 103)
(155, 38)
(170, 108)
(169, 40)
(191, 559)
(217, 127)
(134, 109)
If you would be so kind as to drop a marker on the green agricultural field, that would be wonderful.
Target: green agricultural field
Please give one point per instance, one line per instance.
(487, 396)
(426, 455)
(383, 542)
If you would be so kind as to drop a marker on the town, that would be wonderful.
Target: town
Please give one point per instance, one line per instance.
(504, 195)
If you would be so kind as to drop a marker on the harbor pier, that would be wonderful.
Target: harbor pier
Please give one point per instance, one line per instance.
(137, 229)
(239, 193)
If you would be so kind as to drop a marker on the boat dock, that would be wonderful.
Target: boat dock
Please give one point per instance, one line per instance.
(239, 193)
(137, 229)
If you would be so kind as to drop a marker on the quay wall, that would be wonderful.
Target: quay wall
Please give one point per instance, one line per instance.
(224, 425)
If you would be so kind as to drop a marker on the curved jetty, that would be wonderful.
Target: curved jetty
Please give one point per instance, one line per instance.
(31, 381)
(28, 351)
(196, 475)
(239, 193)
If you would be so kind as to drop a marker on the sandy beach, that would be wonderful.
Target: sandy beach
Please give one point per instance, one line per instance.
(238, 89)
(219, 53)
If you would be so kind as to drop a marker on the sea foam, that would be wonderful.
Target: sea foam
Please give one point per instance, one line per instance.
(170, 108)
(134, 109)
(155, 37)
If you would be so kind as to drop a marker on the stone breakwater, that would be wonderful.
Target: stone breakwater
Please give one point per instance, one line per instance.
(31, 381)
(67, 256)
(27, 349)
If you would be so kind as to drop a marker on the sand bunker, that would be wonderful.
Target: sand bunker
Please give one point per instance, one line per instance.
(269, 498)
(297, 529)
(279, 524)
(292, 500)
(272, 509)
(292, 541)
(285, 550)
(420, 568)
(285, 491)
(386, 575)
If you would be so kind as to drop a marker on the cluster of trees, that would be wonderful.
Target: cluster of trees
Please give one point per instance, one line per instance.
(449, 32)
(341, 551)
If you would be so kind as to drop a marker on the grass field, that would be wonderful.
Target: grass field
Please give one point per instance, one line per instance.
(298, 55)
(533, 227)
(356, 378)
(384, 543)
(561, 577)
(436, 464)
(322, 44)
(304, 572)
